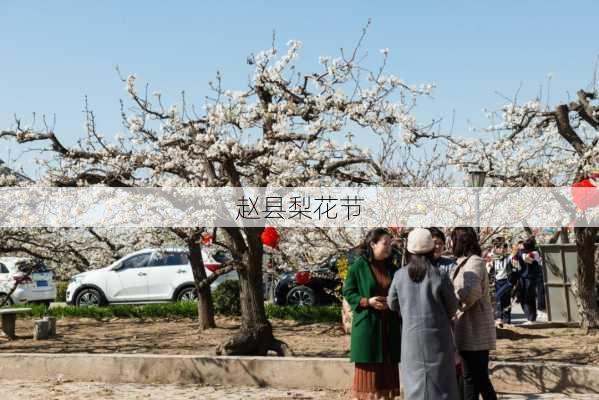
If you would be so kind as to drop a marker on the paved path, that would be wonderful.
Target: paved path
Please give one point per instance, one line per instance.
(518, 317)
(59, 390)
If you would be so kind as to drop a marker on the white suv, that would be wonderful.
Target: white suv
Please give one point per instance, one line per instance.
(38, 288)
(146, 276)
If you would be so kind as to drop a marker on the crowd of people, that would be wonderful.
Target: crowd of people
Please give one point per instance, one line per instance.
(436, 314)
(517, 275)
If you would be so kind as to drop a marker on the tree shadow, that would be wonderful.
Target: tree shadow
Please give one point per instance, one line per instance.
(547, 377)
(505, 333)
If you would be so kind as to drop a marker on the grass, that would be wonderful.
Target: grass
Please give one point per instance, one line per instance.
(308, 314)
(304, 314)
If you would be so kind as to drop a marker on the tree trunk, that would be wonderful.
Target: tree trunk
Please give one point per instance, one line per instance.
(586, 283)
(255, 336)
(205, 305)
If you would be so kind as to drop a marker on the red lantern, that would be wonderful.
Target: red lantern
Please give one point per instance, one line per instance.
(206, 239)
(303, 278)
(585, 194)
(270, 237)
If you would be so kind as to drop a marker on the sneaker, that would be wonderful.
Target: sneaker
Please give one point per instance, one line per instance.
(542, 316)
(528, 323)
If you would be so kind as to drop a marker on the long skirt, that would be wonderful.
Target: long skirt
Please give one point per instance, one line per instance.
(373, 381)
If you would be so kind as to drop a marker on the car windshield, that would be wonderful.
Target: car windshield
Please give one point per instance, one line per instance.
(42, 268)
(25, 266)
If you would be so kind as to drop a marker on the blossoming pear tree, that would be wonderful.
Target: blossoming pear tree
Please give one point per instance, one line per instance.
(73, 250)
(286, 128)
(533, 144)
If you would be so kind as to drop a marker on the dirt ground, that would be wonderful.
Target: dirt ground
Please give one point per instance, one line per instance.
(306, 340)
(63, 390)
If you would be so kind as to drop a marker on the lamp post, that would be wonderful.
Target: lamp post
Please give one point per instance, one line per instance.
(477, 181)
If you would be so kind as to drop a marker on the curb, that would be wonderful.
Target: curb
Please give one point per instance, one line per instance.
(276, 372)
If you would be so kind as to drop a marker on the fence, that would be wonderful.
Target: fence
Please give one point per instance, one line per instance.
(559, 271)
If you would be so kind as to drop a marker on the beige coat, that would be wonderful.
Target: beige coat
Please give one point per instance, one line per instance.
(475, 325)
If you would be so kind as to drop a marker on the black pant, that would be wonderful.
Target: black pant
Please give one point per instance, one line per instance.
(476, 375)
(540, 294)
(528, 298)
(503, 292)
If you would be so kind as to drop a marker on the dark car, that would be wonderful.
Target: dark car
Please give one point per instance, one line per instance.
(311, 287)
(319, 285)
(307, 288)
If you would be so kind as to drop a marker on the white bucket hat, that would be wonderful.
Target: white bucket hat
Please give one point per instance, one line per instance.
(420, 241)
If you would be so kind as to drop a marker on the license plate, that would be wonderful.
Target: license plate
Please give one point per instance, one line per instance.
(41, 283)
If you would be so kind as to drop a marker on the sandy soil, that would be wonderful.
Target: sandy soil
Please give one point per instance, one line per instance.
(59, 390)
(311, 340)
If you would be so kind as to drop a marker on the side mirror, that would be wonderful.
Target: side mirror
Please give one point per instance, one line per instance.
(117, 267)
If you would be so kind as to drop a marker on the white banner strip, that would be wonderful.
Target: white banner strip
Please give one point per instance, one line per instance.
(298, 207)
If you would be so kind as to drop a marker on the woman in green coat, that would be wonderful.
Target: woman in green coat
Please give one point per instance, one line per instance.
(376, 331)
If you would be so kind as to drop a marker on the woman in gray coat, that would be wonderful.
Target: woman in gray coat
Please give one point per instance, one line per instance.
(425, 300)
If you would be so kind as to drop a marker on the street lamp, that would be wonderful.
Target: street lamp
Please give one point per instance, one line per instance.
(477, 181)
(477, 178)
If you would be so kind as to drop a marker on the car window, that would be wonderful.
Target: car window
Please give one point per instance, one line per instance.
(42, 268)
(136, 261)
(162, 259)
(3, 269)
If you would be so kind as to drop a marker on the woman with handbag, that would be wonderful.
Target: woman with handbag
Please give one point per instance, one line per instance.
(474, 324)
(424, 299)
(375, 344)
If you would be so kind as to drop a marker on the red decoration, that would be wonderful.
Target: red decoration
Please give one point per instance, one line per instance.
(212, 267)
(583, 194)
(270, 237)
(206, 239)
(22, 279)
(303, 277)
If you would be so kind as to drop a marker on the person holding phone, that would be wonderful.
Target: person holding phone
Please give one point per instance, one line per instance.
(375, 344)
(528, 261)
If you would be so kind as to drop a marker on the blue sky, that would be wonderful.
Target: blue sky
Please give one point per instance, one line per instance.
(55, 52)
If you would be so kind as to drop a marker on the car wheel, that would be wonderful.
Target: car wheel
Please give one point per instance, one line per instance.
(89, 298)
(187, 294)
(301, 296)
(2, 297)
